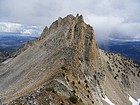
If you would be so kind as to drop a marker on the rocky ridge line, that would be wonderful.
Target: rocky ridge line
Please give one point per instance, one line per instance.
(64, 62)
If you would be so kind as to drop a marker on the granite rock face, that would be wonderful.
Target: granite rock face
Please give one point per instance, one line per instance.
(64, 62)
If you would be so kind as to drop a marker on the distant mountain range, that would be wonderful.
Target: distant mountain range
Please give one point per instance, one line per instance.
(10, 42)
(128, 48)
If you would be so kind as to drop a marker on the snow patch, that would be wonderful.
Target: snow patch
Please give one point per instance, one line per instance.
(134, 102)
(108, 100)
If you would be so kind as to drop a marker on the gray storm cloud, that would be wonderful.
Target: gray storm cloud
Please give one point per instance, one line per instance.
(108, 17)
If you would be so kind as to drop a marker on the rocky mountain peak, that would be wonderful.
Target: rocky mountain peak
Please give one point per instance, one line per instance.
(69, 19)
(76, 36)
(67, 47)
(64, 66)
(66, 21)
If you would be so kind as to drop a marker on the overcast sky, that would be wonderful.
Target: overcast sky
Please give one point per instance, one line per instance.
(118, 18)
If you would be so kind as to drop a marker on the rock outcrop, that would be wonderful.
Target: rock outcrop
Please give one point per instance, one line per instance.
(5, 55)
(65, 66)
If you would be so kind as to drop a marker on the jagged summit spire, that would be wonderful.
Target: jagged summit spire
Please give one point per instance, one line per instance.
(78, 35)
(61, 22)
